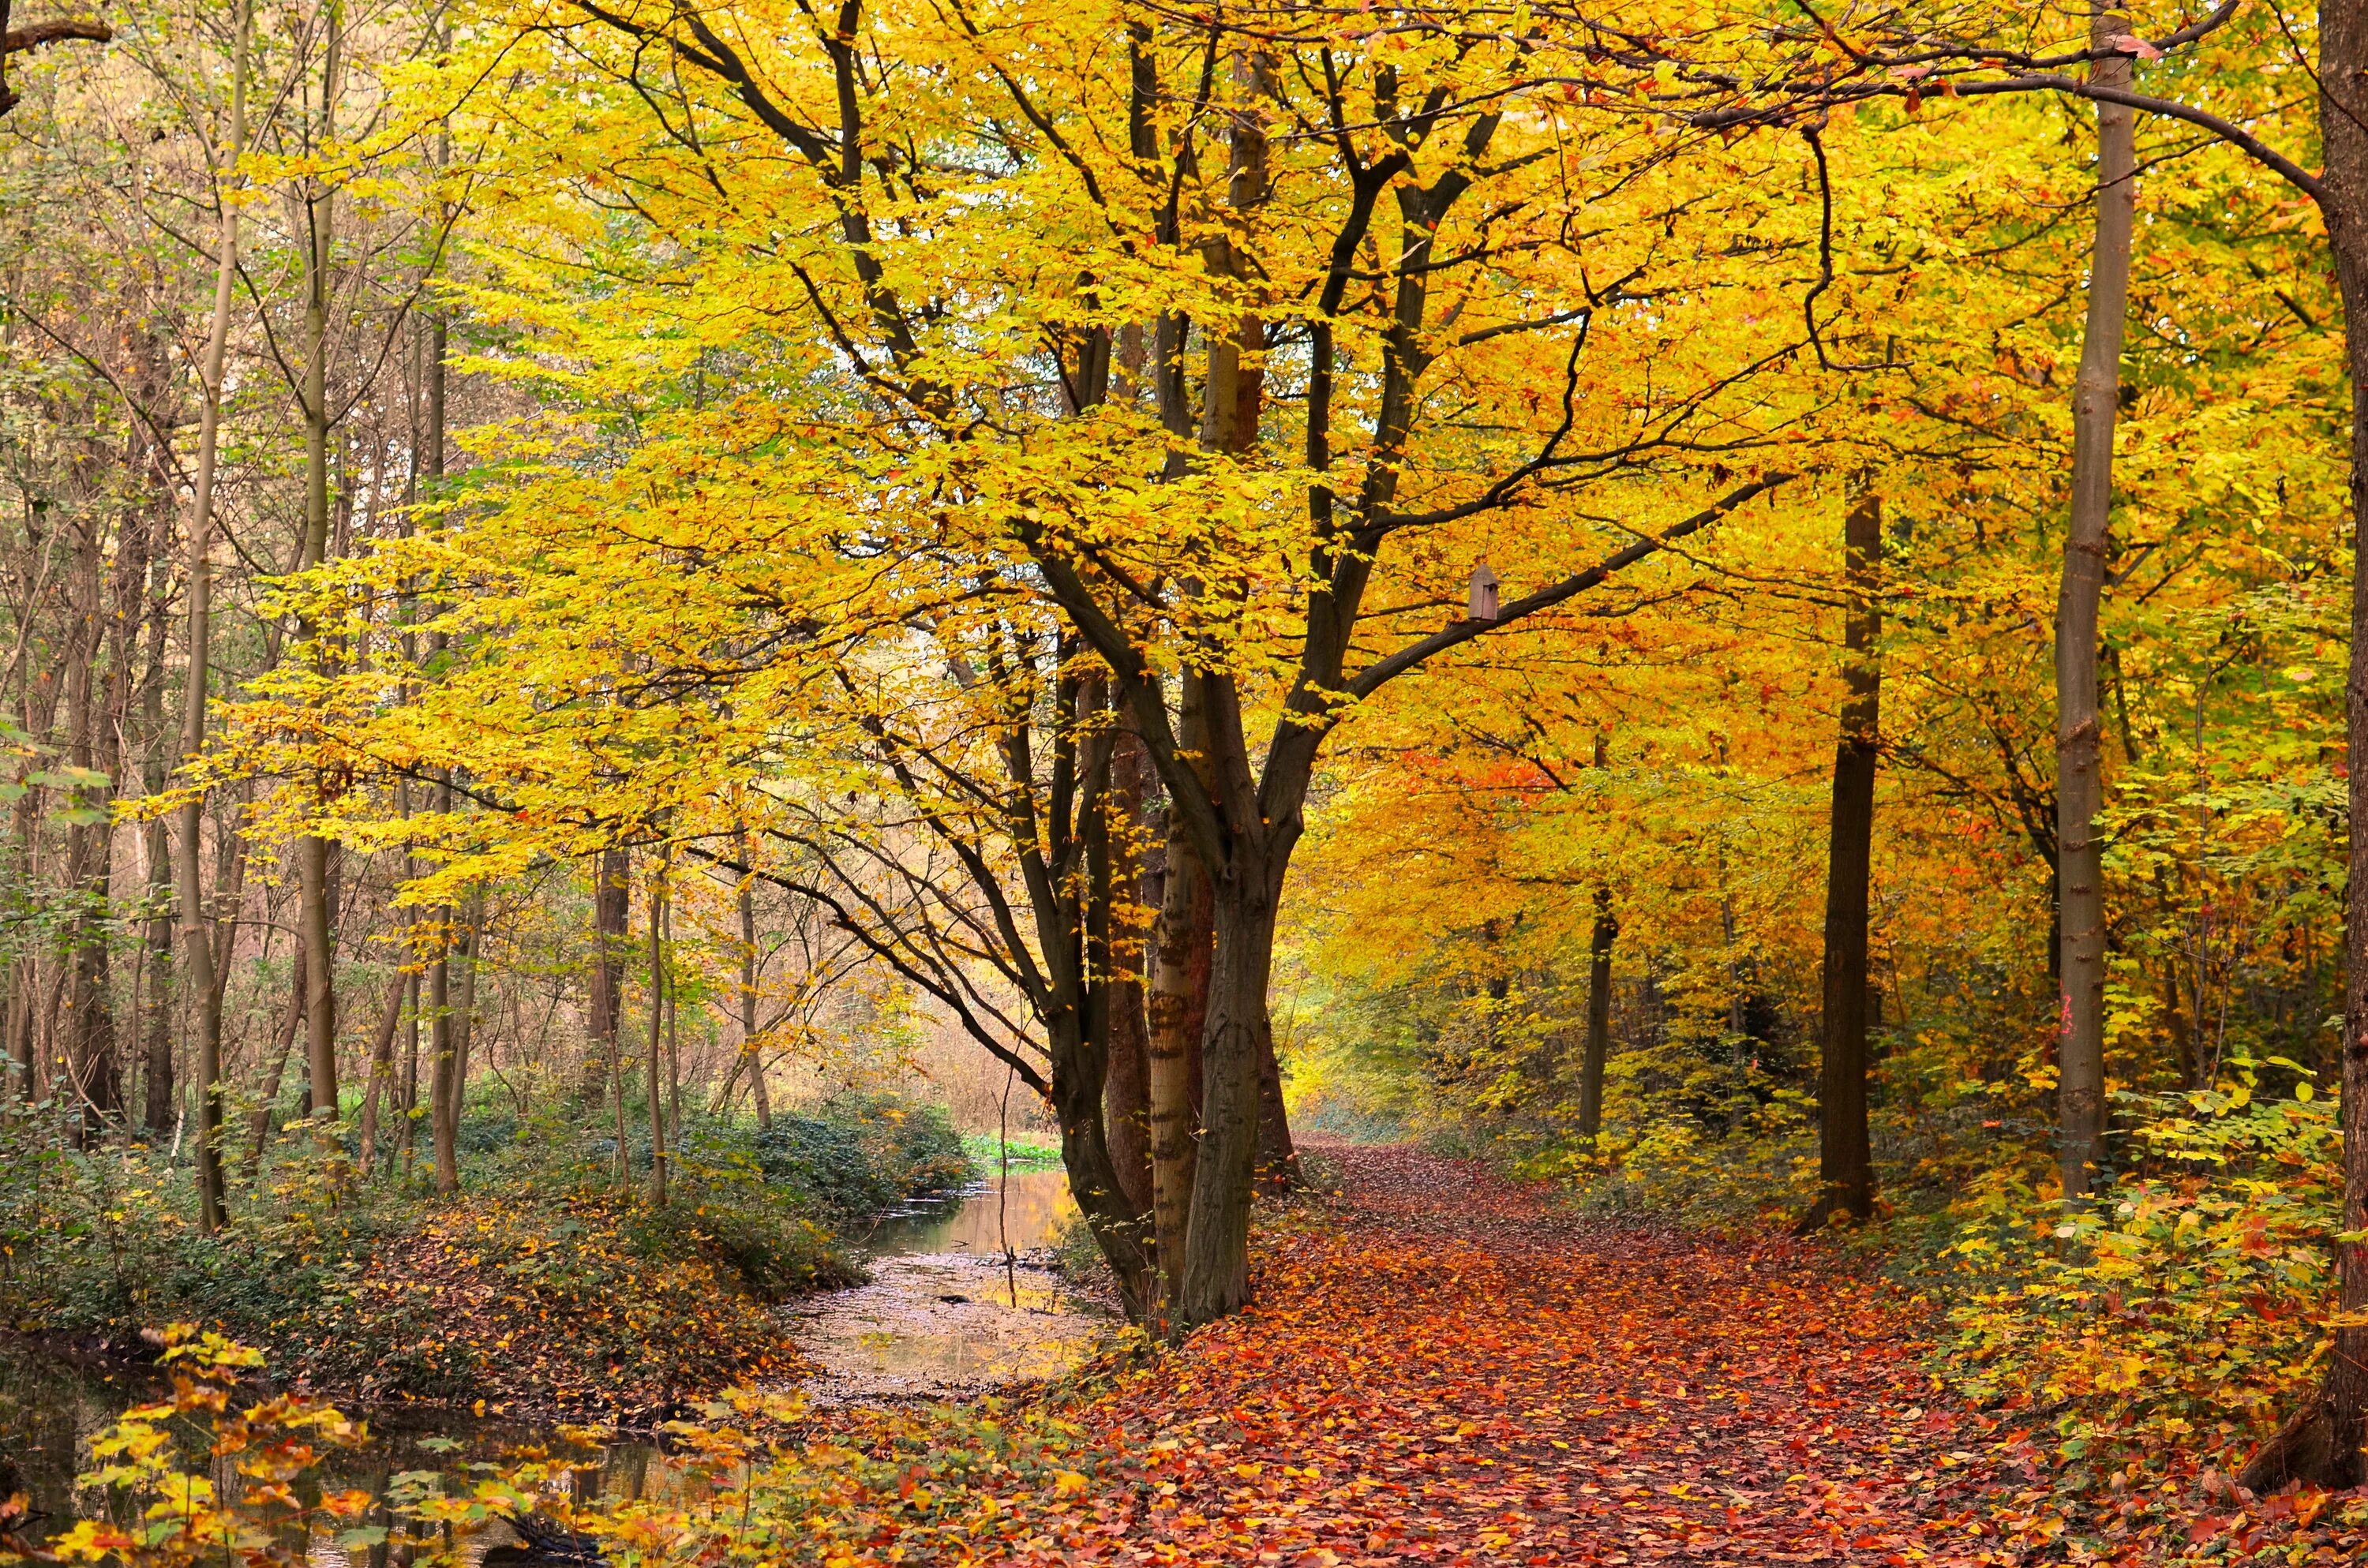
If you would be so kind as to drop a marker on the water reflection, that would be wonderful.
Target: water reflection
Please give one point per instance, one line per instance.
(1025, 1213)
(943, 1318)
(52, 1404)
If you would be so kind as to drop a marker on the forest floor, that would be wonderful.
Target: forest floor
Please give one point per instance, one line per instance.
(1442, 1367)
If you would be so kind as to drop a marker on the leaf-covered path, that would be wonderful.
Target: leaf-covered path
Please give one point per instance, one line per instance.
(1442, 1370)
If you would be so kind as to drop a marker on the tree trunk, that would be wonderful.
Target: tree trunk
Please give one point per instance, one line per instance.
(160, 1091)
(2096, 403)
(410, 1102)
(1173, 1042)
(92, 1067)
(2322, 1444)
(1598, 1050)
(381, 1071)
(1216, 1243)
(755, 1059)
(1278, 1158)
(1111, 1215)
(455, 1019)
(439, 1049)
(1126, 1086)
(611, 903)
(1845, 1163)
(162, 1102)
(259, 1122)
(311, 850)
(674, 1041)
(657, 1026)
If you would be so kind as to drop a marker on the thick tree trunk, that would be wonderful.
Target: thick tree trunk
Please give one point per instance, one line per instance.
(161, 1096)
(1216, 1243)
(1126, 1093)
(320, 997)
(1845, 1161)
(410, 1101)
(2323, 1443)
(1277, 1157)
(1080, 1065)
(1598, 1050)
(1173, 1042)
(161, 1105)
(2096, 403)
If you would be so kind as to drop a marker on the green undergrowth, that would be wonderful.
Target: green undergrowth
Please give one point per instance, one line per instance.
(1024, 1151)
(544, 1284)
(859, 1154)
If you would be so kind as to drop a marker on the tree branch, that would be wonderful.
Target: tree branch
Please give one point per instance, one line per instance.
(1375, 676)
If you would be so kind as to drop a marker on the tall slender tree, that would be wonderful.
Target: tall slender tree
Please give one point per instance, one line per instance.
(2096, 405)
(1845, 1159)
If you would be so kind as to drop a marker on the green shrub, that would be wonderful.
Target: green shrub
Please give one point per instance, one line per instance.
(2184, 1309)
(859, 1154)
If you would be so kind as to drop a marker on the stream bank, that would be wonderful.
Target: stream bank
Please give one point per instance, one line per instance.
(897, 1339)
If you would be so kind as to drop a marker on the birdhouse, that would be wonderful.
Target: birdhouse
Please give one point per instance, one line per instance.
(1483, 594)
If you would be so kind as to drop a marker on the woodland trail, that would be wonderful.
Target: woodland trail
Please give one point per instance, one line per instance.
(1441, 1368)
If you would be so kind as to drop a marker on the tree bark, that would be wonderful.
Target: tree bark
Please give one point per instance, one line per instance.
(92, 1067)
(258, 1123)
(311, 850)
(2323, 1443)
(2096, 403)
(1217, 1242)
(1277, 1157)
(1845, 1161)
(748, 1044)
(410, 1101)
(612, 905)
(657, 1026)
(161, 1096)
(1174, 1039)
(455, 1018)
(1126, 1092)
(1598, 1050)
(381, 1071)
(160, 1100)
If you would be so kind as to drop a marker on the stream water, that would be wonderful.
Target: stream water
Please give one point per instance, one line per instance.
(962, 1300)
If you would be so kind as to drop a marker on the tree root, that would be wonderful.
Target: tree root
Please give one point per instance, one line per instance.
(2312, 1448)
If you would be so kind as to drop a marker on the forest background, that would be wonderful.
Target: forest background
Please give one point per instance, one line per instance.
(581, 577)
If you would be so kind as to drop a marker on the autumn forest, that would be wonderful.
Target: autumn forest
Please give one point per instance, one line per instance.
(1600, 754)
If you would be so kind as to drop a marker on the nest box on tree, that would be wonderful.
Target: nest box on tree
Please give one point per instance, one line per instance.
(1483, 594)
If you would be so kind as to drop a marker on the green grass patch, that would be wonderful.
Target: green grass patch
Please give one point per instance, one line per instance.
(1027, 1153)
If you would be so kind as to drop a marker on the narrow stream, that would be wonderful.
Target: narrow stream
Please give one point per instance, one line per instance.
(962, 1300)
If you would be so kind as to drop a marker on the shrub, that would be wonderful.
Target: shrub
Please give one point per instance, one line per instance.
(860, 1154)
(2183, 1310)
